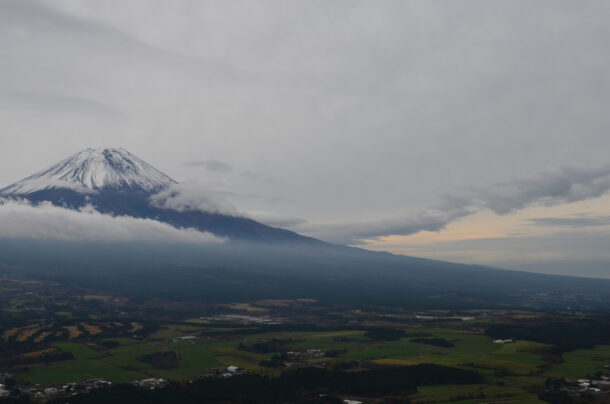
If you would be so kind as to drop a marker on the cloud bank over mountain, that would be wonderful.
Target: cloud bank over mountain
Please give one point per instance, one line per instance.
(194, 196)
(22, 220)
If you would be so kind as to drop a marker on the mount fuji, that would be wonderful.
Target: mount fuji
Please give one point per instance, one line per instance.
(118, 183)
(259, 262)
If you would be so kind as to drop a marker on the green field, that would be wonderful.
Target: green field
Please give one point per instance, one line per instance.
(121, 364)
(582, 362)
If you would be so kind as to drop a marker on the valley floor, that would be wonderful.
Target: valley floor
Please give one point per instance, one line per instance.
(52, 335)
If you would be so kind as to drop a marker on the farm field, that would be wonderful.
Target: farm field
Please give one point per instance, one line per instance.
(85, 337)
(582, 362)
(511, 369)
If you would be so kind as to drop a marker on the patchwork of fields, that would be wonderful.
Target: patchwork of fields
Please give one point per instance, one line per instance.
(513, 371)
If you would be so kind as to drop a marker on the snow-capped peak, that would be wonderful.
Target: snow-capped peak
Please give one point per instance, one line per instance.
(93, 170)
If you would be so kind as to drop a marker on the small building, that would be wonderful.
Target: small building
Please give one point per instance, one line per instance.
(504, 341)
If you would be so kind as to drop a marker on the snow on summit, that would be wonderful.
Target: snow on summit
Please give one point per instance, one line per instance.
(92, 170)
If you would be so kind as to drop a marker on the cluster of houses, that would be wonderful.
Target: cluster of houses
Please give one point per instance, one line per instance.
(224, 372)
(66, 390)
(150, 384)
(73, 389)
(290, 359)
(594, 385)
(4, 392)
(575, 387)
(310, 353)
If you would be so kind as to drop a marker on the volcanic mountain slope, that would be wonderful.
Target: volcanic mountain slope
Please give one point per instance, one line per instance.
(279, 264)
(116, 182)
(94, 170)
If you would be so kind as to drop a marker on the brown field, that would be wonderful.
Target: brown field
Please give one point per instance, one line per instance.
(42, 336)
(39, 352)
(136, 327)
(197, 321)
(92, 329)
(9, 333)
(73, 330)
(97, 297)
(246, 307)
(26, 333)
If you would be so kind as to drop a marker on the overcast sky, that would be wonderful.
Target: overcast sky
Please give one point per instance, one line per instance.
(471, 131)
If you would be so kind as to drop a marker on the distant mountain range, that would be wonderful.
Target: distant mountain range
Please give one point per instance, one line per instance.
(259, 261)
(116, 182)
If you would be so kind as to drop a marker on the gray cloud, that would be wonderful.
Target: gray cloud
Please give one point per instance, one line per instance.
(357, 109)
(54, 102)
(20, 220)
(350, 233)
(553, 187)
(276, 220)
(581, 221)
(194, 196)
(564, 185)
(210, 165)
